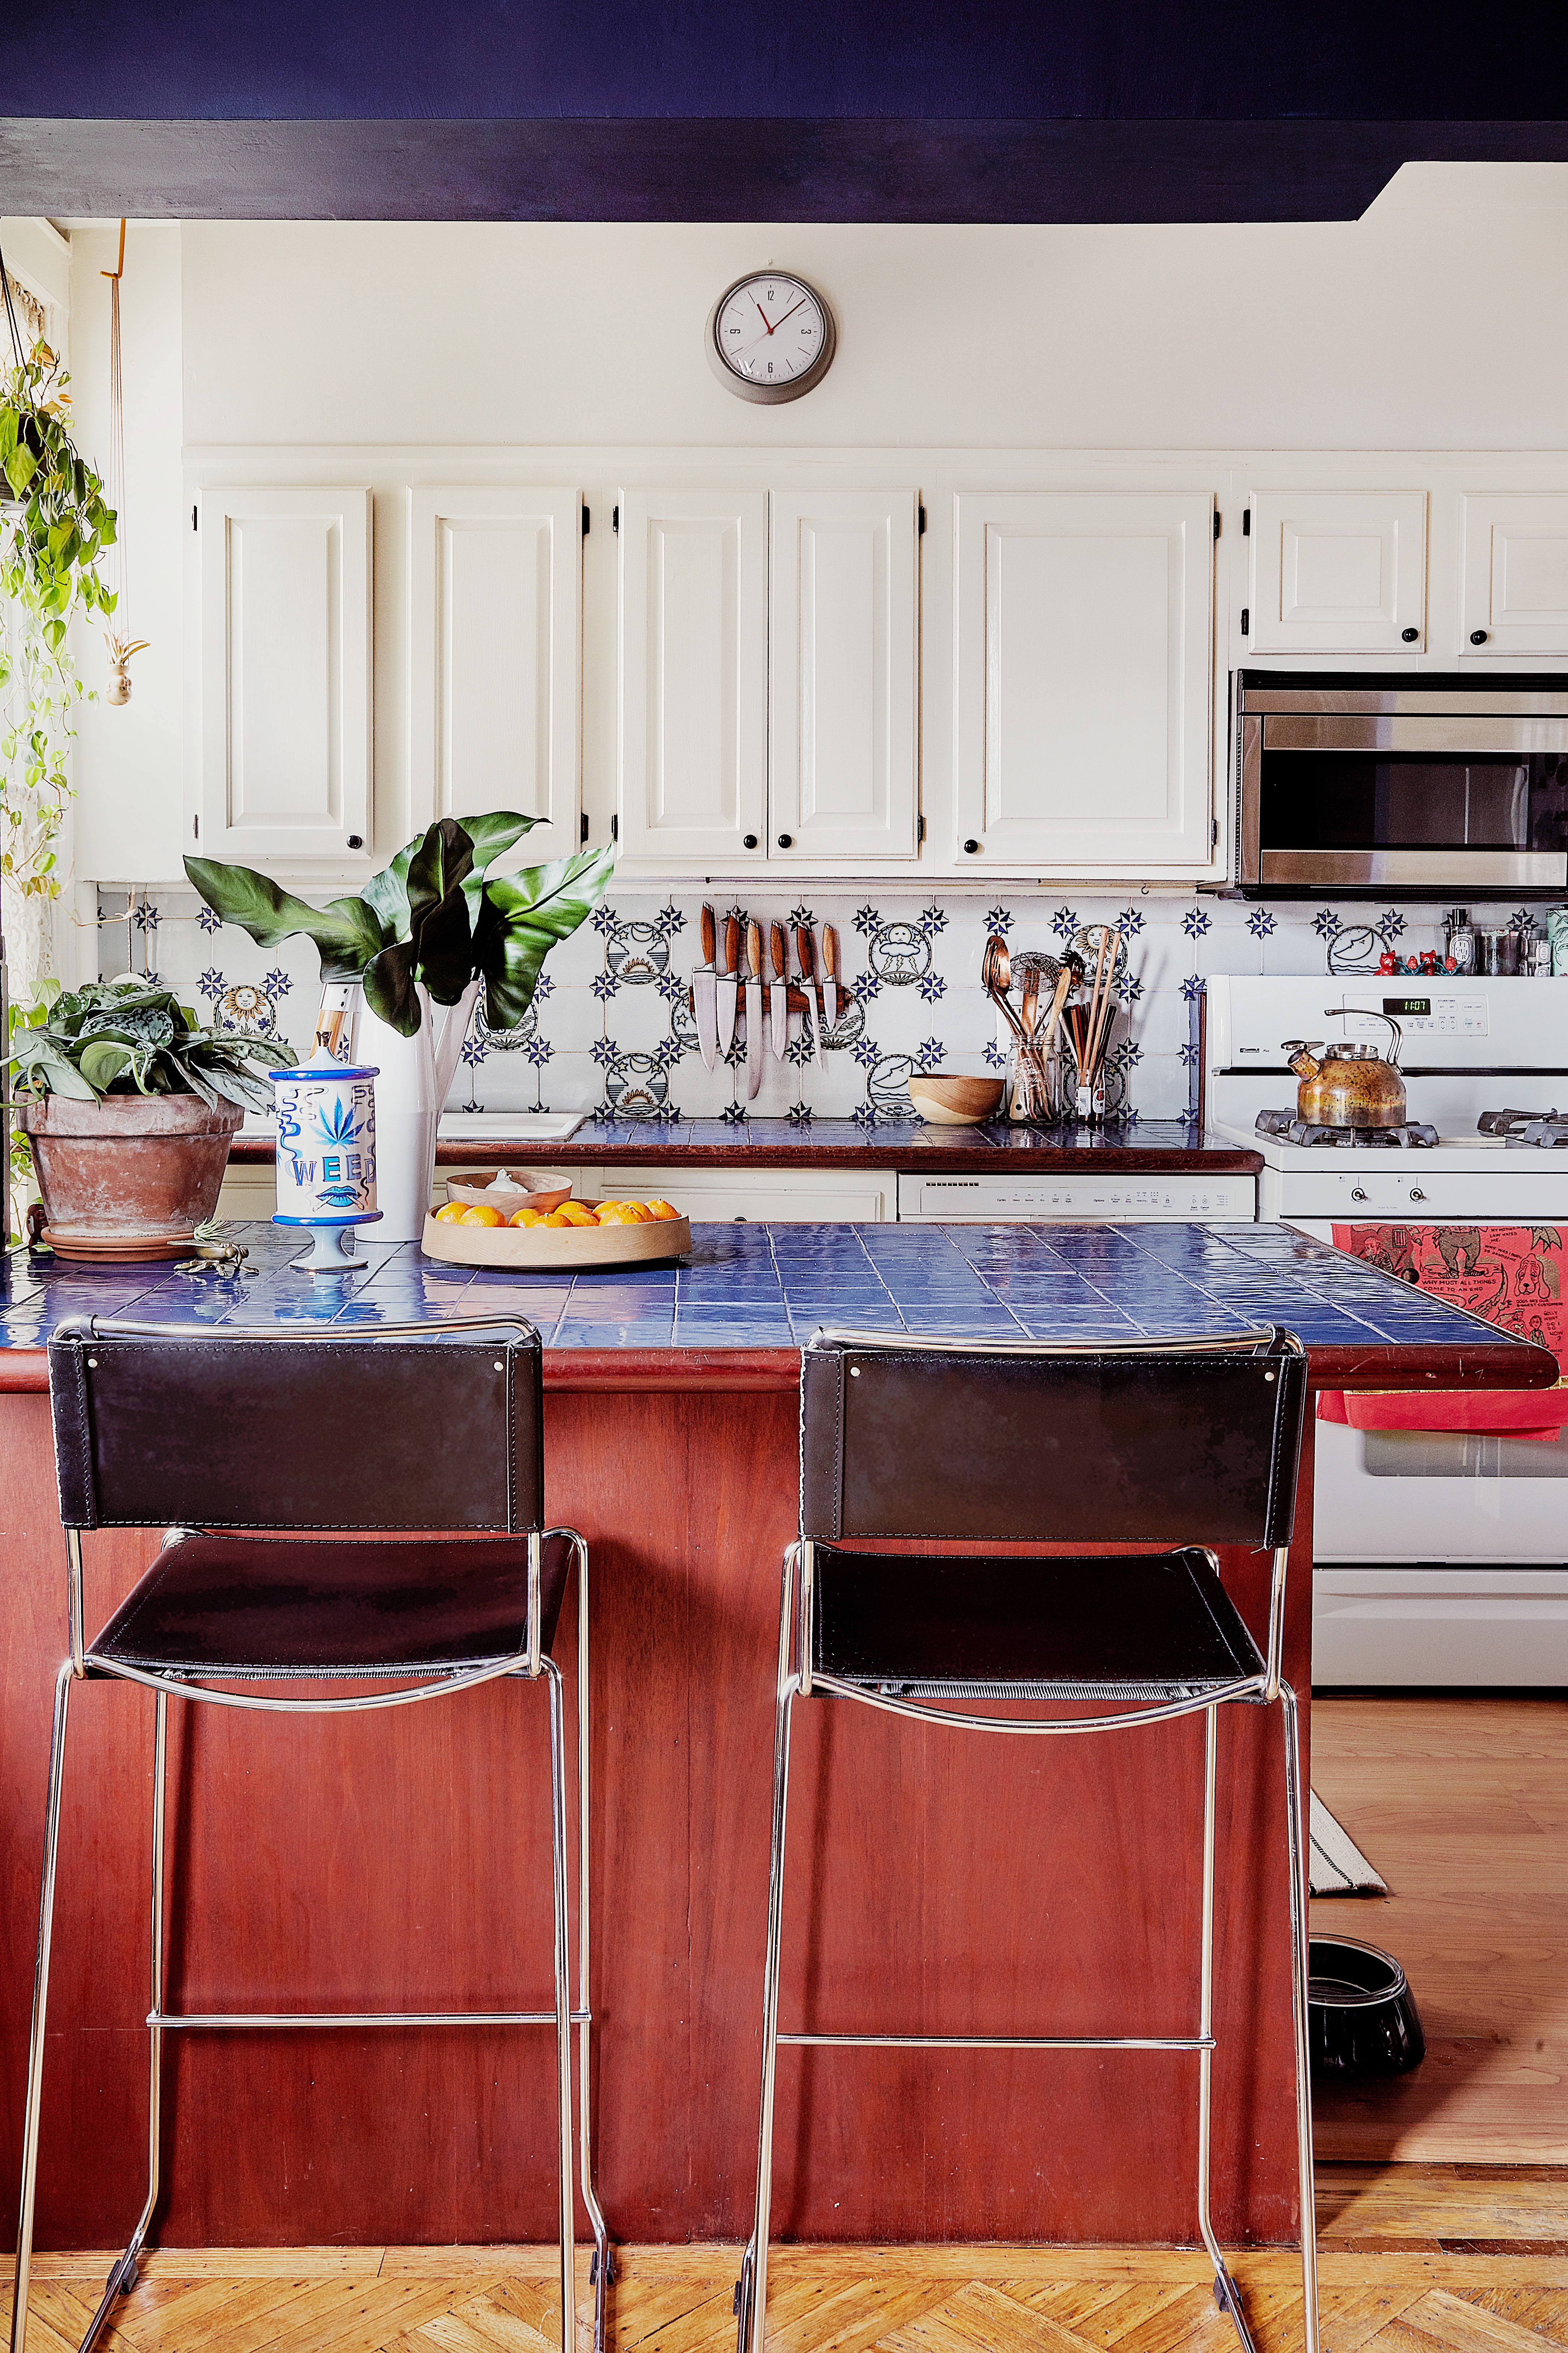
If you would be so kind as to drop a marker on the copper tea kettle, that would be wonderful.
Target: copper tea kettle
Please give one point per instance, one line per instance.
(1342, 1085)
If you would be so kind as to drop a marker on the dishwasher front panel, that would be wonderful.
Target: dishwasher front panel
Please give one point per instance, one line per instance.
(1079, 1200)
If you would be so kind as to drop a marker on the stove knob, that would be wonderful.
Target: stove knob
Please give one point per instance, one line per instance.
(1416, 1193)
(1358, 1192)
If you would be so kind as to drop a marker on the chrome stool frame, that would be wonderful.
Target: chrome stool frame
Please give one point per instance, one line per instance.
(533, 1663)
(799, 1679)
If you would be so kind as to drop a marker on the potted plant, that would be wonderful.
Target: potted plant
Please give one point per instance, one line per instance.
(431, 930)
(128, 1107)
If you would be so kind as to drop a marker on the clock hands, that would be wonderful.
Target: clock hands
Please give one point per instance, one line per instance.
(762, 315)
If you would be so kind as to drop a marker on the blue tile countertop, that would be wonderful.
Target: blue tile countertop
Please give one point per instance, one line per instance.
(765, 1289)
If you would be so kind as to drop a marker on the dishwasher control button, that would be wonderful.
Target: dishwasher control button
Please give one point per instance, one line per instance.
(1358, 1192)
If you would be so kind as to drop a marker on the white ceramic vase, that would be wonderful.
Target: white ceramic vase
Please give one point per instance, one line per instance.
(414, 1075)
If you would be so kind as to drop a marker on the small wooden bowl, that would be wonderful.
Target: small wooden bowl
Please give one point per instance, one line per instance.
(948, 1100)
(566, 1248)
(535, 1188)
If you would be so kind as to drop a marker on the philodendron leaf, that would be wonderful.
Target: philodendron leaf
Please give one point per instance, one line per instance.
(440, 931)
(490, 837)
(523, 916)
(348, 933)
(389, 989)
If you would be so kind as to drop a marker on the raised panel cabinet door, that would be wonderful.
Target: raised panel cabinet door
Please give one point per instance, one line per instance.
(286, 674)
(694, 675)
(1338, 571)
(1516, 575)
(842, 771)
(494, 690)
(1083, 678)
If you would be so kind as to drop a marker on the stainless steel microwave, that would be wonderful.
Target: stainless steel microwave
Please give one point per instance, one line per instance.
(1368, 785)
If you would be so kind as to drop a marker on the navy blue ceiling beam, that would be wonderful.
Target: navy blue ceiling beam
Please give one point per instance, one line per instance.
(701, 169)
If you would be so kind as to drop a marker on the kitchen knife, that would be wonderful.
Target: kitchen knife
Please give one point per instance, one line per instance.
(805, 951)
(753, 1010)
(704, 994)
(779, 994)
(830, 973)
(728, 983)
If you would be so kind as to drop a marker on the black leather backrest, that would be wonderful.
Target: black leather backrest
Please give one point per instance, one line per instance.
(212, 1431)
(1169, 1445)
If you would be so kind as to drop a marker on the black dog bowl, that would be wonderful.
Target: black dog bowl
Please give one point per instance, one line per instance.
(1361, 2018)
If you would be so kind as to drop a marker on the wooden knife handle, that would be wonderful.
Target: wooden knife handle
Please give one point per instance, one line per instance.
(731, 943)
(805, 952)
(780, 947)
(709, 935)
(830, 952)
(754, 950)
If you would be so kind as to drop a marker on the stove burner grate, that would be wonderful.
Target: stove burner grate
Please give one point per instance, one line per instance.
(1413, 1136)
(1547, 1130)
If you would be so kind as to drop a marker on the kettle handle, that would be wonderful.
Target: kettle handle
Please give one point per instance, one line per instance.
(1338, 1012)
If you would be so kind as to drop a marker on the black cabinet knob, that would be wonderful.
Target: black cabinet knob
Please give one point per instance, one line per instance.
(971, 846)
(1410, 635)
(356, 842)
(749, 841)
(786, 839)
(1478, 637)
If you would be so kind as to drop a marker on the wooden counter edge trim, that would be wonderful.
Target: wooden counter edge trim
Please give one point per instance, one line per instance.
(631, 1370)
(941, 1159)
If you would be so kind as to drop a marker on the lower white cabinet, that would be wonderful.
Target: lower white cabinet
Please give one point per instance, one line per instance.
(779, 1196)
(1338, 571)
(1515, 577)
(1083, 683)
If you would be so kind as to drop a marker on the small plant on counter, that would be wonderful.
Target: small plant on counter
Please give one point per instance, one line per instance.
(120, 1037)
(436, 923)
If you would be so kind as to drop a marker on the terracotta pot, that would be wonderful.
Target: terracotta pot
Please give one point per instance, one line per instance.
(147, 1167)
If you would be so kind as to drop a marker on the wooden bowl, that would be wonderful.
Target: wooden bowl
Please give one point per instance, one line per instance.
(535, 1188)
(948, 1100)
(568, 1248)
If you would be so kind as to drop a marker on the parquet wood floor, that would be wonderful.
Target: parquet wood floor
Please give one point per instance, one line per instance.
(1392, 2299)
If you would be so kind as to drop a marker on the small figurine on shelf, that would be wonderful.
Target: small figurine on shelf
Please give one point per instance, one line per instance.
(326, 1156)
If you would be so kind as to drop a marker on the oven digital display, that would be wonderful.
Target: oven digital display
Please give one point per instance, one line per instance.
(1408, 1009)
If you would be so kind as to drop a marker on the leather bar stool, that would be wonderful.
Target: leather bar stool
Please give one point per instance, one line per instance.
(414, 1457)
(906, 1440)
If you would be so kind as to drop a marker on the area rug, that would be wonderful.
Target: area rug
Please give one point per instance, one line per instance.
(1335, 1865)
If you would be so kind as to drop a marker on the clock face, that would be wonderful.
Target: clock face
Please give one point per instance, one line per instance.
(770, 337)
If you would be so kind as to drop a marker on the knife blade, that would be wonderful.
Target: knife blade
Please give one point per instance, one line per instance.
(806, 954)
(704, 995)
(830, 973)
(753, 1010)
(779, 994)
(728, 983)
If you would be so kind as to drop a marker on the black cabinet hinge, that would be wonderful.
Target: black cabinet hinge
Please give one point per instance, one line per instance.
(1246, 620)
(614, 828)
(615, 518)
(919, 828)
(195, 525)
(1217, 523)
(586, 520)
(583, 827)
(196, 828)
(1246, 522)
(922, 521)
(1213, 833)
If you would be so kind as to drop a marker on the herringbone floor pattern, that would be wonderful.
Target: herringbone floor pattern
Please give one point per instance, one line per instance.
(822, 2300)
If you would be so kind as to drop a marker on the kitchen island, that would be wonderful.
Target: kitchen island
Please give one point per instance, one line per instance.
(959, 1889)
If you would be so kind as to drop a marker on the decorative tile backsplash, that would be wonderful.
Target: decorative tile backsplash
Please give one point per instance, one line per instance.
(611, 1029)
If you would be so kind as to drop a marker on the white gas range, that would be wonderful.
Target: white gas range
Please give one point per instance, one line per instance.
(1441, 1557)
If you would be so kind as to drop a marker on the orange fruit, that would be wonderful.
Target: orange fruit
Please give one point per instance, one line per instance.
(575, 1213)
(558, 1217)
(528, 1218)
(662, 1210)
(481, 1217)
(637, 1215)
(451, 1213)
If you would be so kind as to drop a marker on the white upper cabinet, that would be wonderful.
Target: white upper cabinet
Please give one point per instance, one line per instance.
(1516, 576)
(1338, 571)
(284, 675)
(495, 657)
(1083, 680)
(694, 675)
(842, 766)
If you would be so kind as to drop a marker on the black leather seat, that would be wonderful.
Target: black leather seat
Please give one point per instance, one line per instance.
(366, 1508)
(906, 1444)
(251, 1609)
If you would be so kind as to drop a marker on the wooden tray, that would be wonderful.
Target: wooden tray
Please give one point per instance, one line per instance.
(568, 1248)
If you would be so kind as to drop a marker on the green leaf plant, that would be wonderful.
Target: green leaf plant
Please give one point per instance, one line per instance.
(435, 919)
(125, 1038)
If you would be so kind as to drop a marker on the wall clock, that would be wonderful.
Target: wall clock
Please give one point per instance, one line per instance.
(771, 336)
